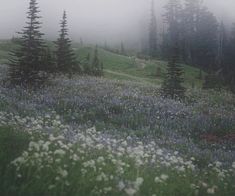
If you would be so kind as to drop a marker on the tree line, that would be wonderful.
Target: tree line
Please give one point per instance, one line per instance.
(199, 38)
(193, 36)
(32, 62)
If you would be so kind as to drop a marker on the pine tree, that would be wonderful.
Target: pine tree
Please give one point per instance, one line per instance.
(65, 58)
(228, 67)
(81, 42)
(173, 18)
(106, 45)
(87, 65)
(123, 52)
(48, 61)
(199, 35)
(211, 81)
(97, 67)
(190, 20)
(153, 33)
(172, 84)
(26, 67)
(206, 40)
(222, 43)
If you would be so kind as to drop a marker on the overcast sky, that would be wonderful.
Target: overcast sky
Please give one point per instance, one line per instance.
(95, 20)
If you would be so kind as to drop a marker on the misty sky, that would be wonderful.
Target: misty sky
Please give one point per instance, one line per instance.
(95, 20)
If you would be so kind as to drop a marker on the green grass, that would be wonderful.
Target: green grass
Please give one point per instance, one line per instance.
(134, 69)
(121, 67)
(12, 144)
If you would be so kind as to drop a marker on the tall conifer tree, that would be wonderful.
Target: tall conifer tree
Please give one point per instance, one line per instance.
(191, 24)
(228, 68)
(97, 66)
(123, 51)
(173, 19)
(65, 58)
(153, 33)
(172, 84)
(26, 64)
(222, 44)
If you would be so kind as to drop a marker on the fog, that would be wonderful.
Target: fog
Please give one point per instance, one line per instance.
(97, 20)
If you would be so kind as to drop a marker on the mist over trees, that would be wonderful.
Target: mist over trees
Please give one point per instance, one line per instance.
(153, 48)
(202, 42)
(33, 61)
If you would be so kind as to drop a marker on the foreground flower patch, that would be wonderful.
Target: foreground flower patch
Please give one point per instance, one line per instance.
(94, 165)
(140, 143)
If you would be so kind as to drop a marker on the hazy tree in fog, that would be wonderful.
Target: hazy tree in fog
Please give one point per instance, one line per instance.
(222, 44)
(81, 42)
(200, 35)
(106, 45)
(97, 66)
(164, 46)
(228, 67)
(65, 58)
(206, 40)
(190, 19)
(196, 29)
(172, 84)
(26, 64)
(173, 19)
(87, 65)
(211, 81)
(153, 49)
(123, 51)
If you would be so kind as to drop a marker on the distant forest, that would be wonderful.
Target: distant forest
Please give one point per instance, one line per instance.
(202, 41)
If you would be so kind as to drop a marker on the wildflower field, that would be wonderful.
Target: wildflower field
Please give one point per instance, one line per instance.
(94, 136)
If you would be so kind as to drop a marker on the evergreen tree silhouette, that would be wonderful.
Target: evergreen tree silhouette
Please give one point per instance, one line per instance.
(97, 66)
(26, 64)
(172, 84)
(65, 58)
(153, 33)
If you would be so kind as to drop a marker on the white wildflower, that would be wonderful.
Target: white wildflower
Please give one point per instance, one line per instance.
(164, 177)
(121, 185)
(159, 152)
(45, 146)
(51, 187)
(211, 190)
(157, 180)
(62, 172)
(59, 152)
(139, 181)
(100, 159)
(107, 189)
(34, 146)
(75, 157)
(204, 184)
(130, 191)
(101, 177)
(218, 164)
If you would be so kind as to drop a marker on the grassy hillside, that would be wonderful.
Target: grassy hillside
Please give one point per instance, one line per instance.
(131, 68)
(123, 67)
(5, 47)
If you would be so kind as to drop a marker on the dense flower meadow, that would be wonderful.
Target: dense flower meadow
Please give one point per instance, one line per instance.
(92, 136)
